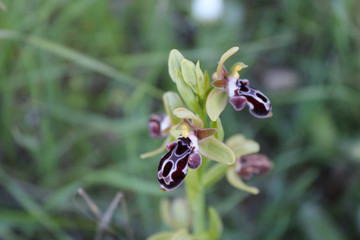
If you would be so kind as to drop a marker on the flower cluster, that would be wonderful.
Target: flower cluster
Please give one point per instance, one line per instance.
(194, 132)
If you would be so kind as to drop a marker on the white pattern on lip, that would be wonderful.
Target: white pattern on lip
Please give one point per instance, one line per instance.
(232, 86)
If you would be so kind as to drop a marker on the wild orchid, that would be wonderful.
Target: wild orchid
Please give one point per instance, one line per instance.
(195, 137)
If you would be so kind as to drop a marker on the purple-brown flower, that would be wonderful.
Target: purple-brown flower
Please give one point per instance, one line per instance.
(158, 125)
(250, 164)
(173, 166)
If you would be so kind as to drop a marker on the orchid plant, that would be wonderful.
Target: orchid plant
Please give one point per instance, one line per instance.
(196, 151)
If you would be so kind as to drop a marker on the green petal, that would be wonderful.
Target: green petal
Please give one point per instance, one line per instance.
(175, 131)
(220, 131)
(223, 58)
(187, 94)
(185, 113)
(172, 101)
(174, 62)
(236, 68)
(216, 103)
(242, 146)
(188, 72)
(235, 180)
(202, 88)
(156, 151)
(214, 174)
(215, 225)
(215, 150)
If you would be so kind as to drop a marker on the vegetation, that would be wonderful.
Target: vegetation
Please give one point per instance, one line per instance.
(79, 80)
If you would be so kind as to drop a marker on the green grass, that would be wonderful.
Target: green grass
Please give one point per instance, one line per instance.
(79, 79)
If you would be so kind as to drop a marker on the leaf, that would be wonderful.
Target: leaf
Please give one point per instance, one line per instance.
(215, 150)
(124, 182)
(188, 72)
(174, 63)
(215, 225)
(223, 58)
(78, 58)
(220, 130)
(242, 146)
(235, 180)
(200, 80)
(185, 113)
(317, 223)
(214, 174)
(156, 151)
(32, 207)
(172, 101)
(216, 103)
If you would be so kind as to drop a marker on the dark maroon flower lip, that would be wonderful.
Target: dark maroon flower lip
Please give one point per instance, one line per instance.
(242, 94)
(173, 166)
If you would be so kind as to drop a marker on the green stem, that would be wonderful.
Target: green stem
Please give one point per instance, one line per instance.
(196, 197)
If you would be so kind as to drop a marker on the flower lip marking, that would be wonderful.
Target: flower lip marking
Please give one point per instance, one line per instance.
(259, 104)
(173, 165)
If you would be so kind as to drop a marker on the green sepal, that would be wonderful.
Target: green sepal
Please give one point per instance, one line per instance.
(242, 146)
(235, 180)
(188, 72)
(200, 80)
(215, 225)
(220, 130)
(216, 150)
(204, 133)
(172, 101)
(187, 94)
(185, 113)
(176, 130)
(174, 62)
(214, 174)
(216, 103)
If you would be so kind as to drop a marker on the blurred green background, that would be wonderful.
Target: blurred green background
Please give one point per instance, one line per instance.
(79, 79)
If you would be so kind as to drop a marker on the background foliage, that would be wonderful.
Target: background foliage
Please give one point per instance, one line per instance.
(79, 80)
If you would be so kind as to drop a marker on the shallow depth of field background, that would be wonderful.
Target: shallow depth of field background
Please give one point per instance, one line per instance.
(79, 83)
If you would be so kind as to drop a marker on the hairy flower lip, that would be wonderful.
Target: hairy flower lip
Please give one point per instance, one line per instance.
(173, 166)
